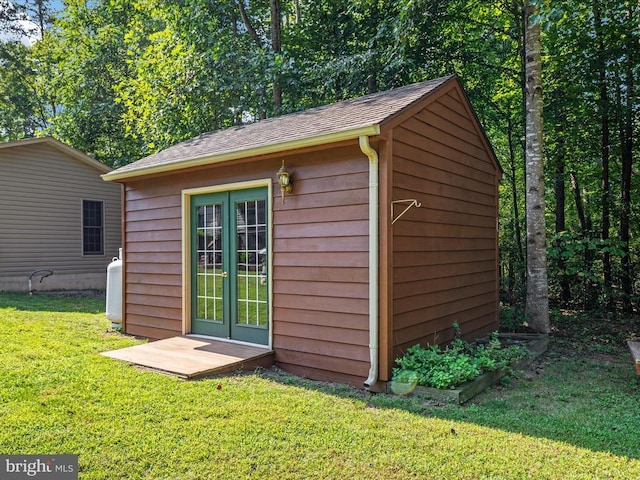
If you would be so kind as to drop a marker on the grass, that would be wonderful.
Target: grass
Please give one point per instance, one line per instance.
(571, 417)
(251, 306)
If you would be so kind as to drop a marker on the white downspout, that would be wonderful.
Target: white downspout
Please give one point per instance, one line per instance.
(373, 259)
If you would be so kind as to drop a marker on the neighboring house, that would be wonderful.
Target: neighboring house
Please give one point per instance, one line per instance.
(334, 279)
(56, 214)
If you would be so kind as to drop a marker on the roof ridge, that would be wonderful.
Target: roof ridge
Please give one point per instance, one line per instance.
(324, 124)
(349, 101)
(60, 146)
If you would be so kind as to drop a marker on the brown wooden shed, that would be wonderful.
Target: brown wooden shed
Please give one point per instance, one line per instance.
(347, 272)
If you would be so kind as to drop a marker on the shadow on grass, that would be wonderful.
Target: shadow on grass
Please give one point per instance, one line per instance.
(588, 400)
(578, 394)
(80, 301)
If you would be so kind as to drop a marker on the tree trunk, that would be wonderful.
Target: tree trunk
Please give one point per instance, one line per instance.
(41, 16)
(537, 303)
(514, 280)
(247, 23)
(626, 140)
(560, 199)
(372, 84)
(514, 192)
(276, 45)
(589, 296)
(604, 149)
(582, 218)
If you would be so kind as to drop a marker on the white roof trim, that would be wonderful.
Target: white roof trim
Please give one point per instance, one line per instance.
(311, 141)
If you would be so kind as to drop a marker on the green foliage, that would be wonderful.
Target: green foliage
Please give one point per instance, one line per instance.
(120, 80)
(578, 260)
(83, 58)
(457, 363)
(186, 81)
(568, 246)
(18, 104)
(513, 318)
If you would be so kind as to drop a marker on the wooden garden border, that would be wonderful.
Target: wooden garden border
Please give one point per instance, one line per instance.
(536, 344)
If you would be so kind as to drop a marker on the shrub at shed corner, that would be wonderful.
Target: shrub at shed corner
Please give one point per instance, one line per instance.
(457, 363)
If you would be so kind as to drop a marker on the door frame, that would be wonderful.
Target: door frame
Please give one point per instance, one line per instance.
(187, 194)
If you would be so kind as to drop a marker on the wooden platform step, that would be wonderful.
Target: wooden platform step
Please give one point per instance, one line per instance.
(193, 357)
(634, 346)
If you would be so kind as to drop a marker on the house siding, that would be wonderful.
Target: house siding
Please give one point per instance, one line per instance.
(320, 258)
(41, 193)
(445, 252)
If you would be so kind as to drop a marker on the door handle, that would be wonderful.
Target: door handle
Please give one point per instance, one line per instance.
(224, 274)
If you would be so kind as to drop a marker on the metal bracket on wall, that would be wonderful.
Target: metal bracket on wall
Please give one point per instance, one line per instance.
(412, 203)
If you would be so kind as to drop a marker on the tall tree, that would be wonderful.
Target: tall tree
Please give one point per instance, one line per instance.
(15, 24)
(627, 121)
(83, 58)
(23, 106)
(537, 302)
(20, 113)
(605, 148)
(276, 46)
(40, 12)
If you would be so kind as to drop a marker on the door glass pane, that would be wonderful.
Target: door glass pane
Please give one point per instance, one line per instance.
(209, 277)
(252, 263)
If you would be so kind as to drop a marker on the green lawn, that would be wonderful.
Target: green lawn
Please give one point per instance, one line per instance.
(252, 297)
(573, 416)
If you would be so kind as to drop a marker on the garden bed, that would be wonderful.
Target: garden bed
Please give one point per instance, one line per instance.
(536, 344)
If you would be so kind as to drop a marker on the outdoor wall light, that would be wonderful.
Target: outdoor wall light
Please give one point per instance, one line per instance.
(284, 180)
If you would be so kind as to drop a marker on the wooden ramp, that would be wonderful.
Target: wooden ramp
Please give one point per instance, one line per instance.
(192, 357)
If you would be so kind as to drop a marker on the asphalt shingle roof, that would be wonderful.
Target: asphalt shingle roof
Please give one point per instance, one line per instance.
(369, 110)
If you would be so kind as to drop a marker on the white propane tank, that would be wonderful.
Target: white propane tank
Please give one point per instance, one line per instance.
(114, 291)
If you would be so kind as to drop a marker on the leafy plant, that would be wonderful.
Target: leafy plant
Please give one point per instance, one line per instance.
(575, 260)
(457, 363)
(513, 318)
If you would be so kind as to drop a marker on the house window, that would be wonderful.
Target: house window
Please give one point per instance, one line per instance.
(92, 227)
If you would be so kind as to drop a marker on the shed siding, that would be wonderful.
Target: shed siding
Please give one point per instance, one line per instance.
(153, 262)
(321, 269)
(438, 264)
(320, 258)
(444, 253)
(41, 193)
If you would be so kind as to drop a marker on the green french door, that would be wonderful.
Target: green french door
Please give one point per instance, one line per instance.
(229, 265)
